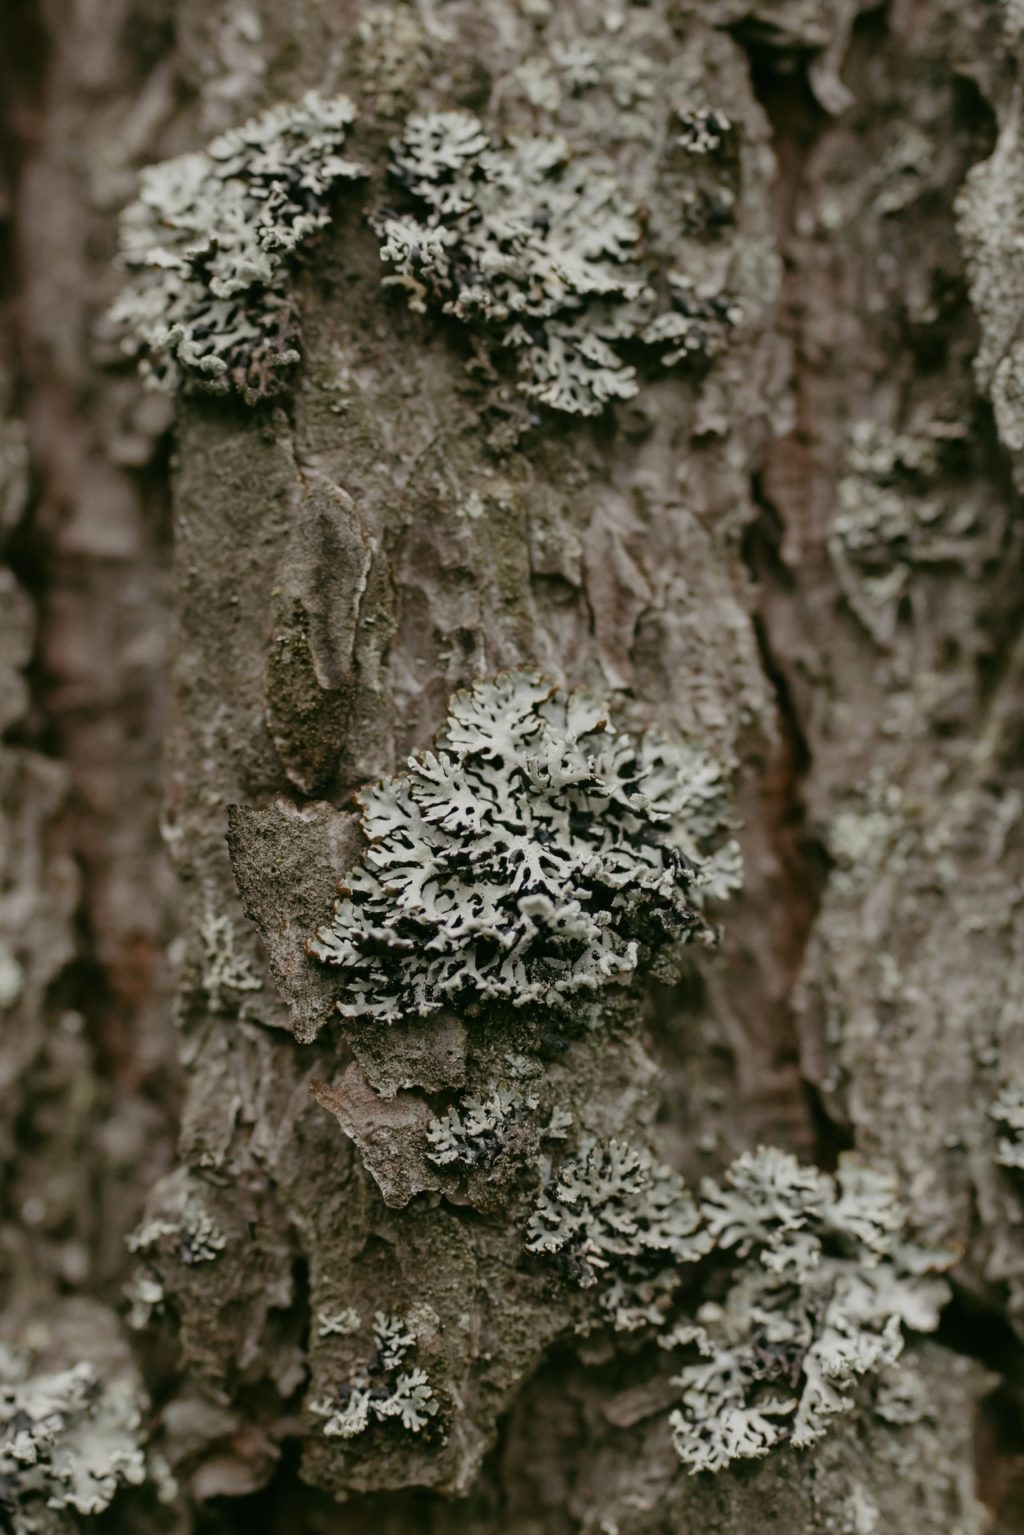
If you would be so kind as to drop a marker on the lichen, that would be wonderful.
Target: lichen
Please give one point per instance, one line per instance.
(702, 130)
(68, 1439)
(382, 1389)
(541, 251)
(337, 1323)
(196, 1238)
(537, 853)
(208, 245)
(1008, 1113)
(227, 975)
(595, 86)
(14, 473)
(892, 517)
(823, 1282)
(480, 1129)
(616, 1218)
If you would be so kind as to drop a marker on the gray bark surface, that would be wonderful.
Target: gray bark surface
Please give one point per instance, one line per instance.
(806, 556)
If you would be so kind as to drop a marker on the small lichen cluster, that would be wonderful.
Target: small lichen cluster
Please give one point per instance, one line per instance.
(208, 244)
(479, 1130)
(67, 1439)
(618, 1219)
(892, 516)
(702, 130)
(823, 1283)
(541, 251)
(532, 856)
(1008, 1113)
(227, 974)
(594, 88)
(383, 1389)
(196, 1237)
(337, 1323)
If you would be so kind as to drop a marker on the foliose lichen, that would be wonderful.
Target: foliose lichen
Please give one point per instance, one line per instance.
(541, 251)
(208, 245)
(1008, 1113)
(618, 1219)
(702, 130)
(595, 87)
(227, 974)
(480, 1129)
(537, 853)
(337, 1323)
(68, 1439)
(383, 1389)
(822, 1285)
(196, 1238)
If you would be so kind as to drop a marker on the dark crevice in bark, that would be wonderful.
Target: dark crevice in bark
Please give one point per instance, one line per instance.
(23, 69)
(24, 61)
(974, 1327)
(999, 1433)
(797, 122)
(971, 1325)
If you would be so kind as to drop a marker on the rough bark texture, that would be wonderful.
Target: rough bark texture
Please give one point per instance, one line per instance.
(806, 555)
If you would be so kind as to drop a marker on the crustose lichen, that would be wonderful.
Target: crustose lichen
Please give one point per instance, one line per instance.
(540, 250)
(208, 243)
(536, 853)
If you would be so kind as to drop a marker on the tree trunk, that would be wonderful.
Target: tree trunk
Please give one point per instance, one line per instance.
(802, 554)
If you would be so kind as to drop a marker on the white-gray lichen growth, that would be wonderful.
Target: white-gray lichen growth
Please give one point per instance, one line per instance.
(702, 130)
(337, 1323)
(480, 1129)
(537, 853)
(823, 1285)
(383, 1389)
(618, 1219)
(195, 1238)
(1008, 1113)
(208, 245)
(227, 974)
(540, 250)
(68, 1439)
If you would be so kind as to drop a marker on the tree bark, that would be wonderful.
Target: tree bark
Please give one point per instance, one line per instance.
(805, 555)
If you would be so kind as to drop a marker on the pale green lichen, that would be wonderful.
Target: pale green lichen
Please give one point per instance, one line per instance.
(227, 975)
(540, 250)
(68, 1439)
(480, 1129)
(538, 853)
(208, 245)
(809, 1283)
(702, 130)
(892, 517)
(1008, 1113)
(382, 1389)
(337, 1323)
(619, 1221)
(196, 1238)
(824, 1281)
(595, 86)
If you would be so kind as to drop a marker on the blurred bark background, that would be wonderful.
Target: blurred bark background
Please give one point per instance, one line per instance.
(808, 556)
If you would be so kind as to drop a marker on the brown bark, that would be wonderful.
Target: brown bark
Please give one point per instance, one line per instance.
(806, 555)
